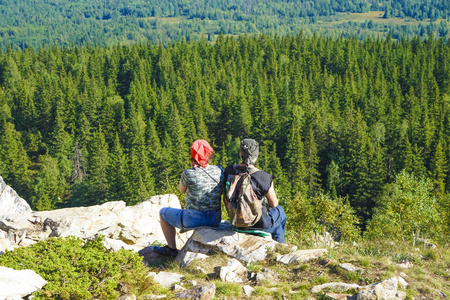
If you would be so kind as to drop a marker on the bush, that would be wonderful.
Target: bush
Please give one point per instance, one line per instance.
(406, 209)
(320, 214)
(77, 271)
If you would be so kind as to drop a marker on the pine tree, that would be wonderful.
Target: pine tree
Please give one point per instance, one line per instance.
(438, 172)
(98, 168)
(295, 159)
(14, 162)
(117, 173)
(311, 163)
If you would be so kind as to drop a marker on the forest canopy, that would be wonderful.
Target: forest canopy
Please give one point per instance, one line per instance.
(83, 125)
(34, 23)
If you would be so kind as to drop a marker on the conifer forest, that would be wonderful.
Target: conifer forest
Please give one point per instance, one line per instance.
(362, 124)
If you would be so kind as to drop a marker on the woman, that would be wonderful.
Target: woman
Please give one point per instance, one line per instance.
(201, 184)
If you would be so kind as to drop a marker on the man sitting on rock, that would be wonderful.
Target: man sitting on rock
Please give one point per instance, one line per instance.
(273, 218)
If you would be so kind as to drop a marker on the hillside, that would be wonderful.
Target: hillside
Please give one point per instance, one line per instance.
(34, 23)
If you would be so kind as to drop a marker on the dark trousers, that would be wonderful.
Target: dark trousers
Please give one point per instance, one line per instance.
(278, 226)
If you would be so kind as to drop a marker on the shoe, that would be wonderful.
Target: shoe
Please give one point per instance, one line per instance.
(166, 250)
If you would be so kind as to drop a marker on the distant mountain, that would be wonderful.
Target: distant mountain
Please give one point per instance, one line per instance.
(32, 23)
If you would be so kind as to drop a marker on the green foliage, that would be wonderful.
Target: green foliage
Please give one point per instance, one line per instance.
(406, 208)
(320, 214)
(79, 271)
(24, 25)
(115, 123)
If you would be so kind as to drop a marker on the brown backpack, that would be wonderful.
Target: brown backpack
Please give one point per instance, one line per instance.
(245, 207)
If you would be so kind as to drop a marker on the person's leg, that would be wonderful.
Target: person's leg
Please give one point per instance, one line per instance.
(278, 226)
(169, 234)
(194, 218)
(169, 219)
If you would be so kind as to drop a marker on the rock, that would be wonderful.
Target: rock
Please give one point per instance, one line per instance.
(327, 261)
(10, 202)
(383, 290)
(178, 288)
(442, 294)
(136, 226)
(166, 279)
(405, 264)
(402, 282)
(200, 292)
(335, 286)
(127, 297)
(350, 267)
(339, 296)
(266, 274)
(248, 290)
(17, 284)
(301, 256)
(241, 246)
(324, 240)
(402, 274)
(186, 257)
(233, 272)
(115, 245)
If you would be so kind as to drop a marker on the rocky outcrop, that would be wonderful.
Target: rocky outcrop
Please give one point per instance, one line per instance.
(130, 227)
(17, 284)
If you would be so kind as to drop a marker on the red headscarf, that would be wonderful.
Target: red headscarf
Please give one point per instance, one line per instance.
(201, 151)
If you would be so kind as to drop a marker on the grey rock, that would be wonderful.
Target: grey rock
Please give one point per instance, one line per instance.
(184, 258)
(350, 267)
(335, 286)
(166, 279)
(245, 247)
(266, 274)
(383, 290)
(200, 292)
(10, 202)
(402, 282)
(233, 272)
(301, 256)
(248, 290)
(442, 294)
(21, 283)
(136, 226)
(178, 288)
(405, 264)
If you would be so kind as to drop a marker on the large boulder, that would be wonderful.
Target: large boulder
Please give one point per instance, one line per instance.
(10, 202)
(241, 246)
(136, 226)
(17, 284)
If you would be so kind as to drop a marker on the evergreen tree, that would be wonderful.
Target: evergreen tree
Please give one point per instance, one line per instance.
(14, 162)
(438, 172)
(98, 168)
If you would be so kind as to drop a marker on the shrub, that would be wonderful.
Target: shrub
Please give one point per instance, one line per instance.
(80, 271)
(322, 214)
(407, 208)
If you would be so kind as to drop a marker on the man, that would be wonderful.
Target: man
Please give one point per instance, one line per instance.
(274, 218)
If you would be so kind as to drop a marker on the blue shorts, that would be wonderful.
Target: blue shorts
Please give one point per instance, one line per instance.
(190, 218)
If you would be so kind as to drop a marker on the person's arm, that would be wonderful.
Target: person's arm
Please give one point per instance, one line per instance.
(182, 188)
(272, 197)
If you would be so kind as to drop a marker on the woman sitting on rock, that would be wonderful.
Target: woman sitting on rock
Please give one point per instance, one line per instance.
(202, 186)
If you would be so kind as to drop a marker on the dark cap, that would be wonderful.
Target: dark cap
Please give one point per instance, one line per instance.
(249, 151)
